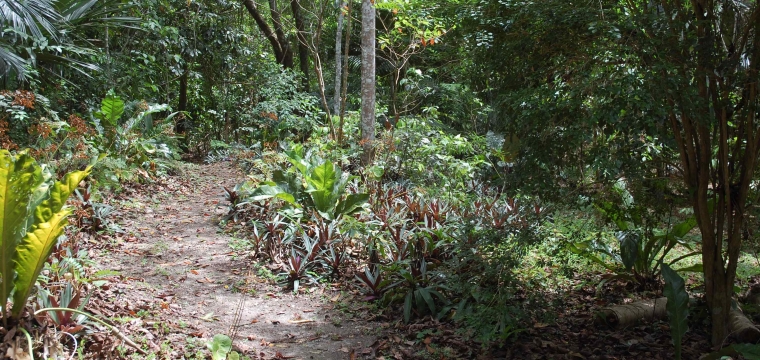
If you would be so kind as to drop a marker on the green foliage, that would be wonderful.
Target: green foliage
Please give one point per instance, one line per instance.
(44, 32)
(32, 219)
(678, 306)
(321, 187)
(642, 246)
(425, 152)
(111, 109)
(221, 348)
(68, 296)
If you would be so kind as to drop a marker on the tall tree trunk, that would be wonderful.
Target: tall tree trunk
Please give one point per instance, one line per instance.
(181, 126)
(276, 38)
(284, 44)
(303, 49)
(368, 81)
(344, 81)
(338, 61)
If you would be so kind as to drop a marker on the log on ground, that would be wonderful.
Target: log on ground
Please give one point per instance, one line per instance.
(621, 316)
(742, 328)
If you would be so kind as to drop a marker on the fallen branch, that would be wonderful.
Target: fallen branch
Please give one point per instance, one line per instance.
(621, 316)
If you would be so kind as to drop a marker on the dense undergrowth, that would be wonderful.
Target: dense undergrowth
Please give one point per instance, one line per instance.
(439, 232)
(430, 229)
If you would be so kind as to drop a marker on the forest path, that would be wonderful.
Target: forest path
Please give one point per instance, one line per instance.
(182, 283)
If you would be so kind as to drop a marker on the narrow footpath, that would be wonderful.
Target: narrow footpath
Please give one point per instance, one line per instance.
(181, 283)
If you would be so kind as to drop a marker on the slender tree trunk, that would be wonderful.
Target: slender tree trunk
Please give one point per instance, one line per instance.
(338, 61)
(303, 49)
(344, 81)
(318, 69)
(368, 81)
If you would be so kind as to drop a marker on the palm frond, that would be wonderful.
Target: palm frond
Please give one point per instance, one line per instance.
(10, 62)
(34, 17)
(81, 13)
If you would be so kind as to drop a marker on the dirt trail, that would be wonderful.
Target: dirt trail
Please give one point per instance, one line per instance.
(182, 283)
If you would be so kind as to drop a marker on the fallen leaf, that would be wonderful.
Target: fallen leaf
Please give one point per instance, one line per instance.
(208, 317)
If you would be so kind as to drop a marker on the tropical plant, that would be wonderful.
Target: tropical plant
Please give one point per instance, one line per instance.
(319, 187)
(298, 265)
(49, 31)
(677, 306)
(236, 197)
(420, 291)
(69, 296)
(334, 260)
(90, 215)
(221, 348)
(33, 217)
(374, 281)
(131, 138)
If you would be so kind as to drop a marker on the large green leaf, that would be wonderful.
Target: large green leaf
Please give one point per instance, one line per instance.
(323, 177)
(111, 109)
(272, 190)
(31, 256)
(20, 177)
(351, 204)
(677, 306)
(35, 248)
(322, 200)
(680, 230)
(629, 247)
(220, 346)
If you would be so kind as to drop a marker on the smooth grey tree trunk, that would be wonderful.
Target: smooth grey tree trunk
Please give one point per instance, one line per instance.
(368, 81)
(338, 58)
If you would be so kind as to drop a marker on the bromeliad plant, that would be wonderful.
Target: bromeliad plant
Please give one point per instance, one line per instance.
(32, 217)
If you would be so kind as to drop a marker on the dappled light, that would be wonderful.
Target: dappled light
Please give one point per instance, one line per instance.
(379, 179)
